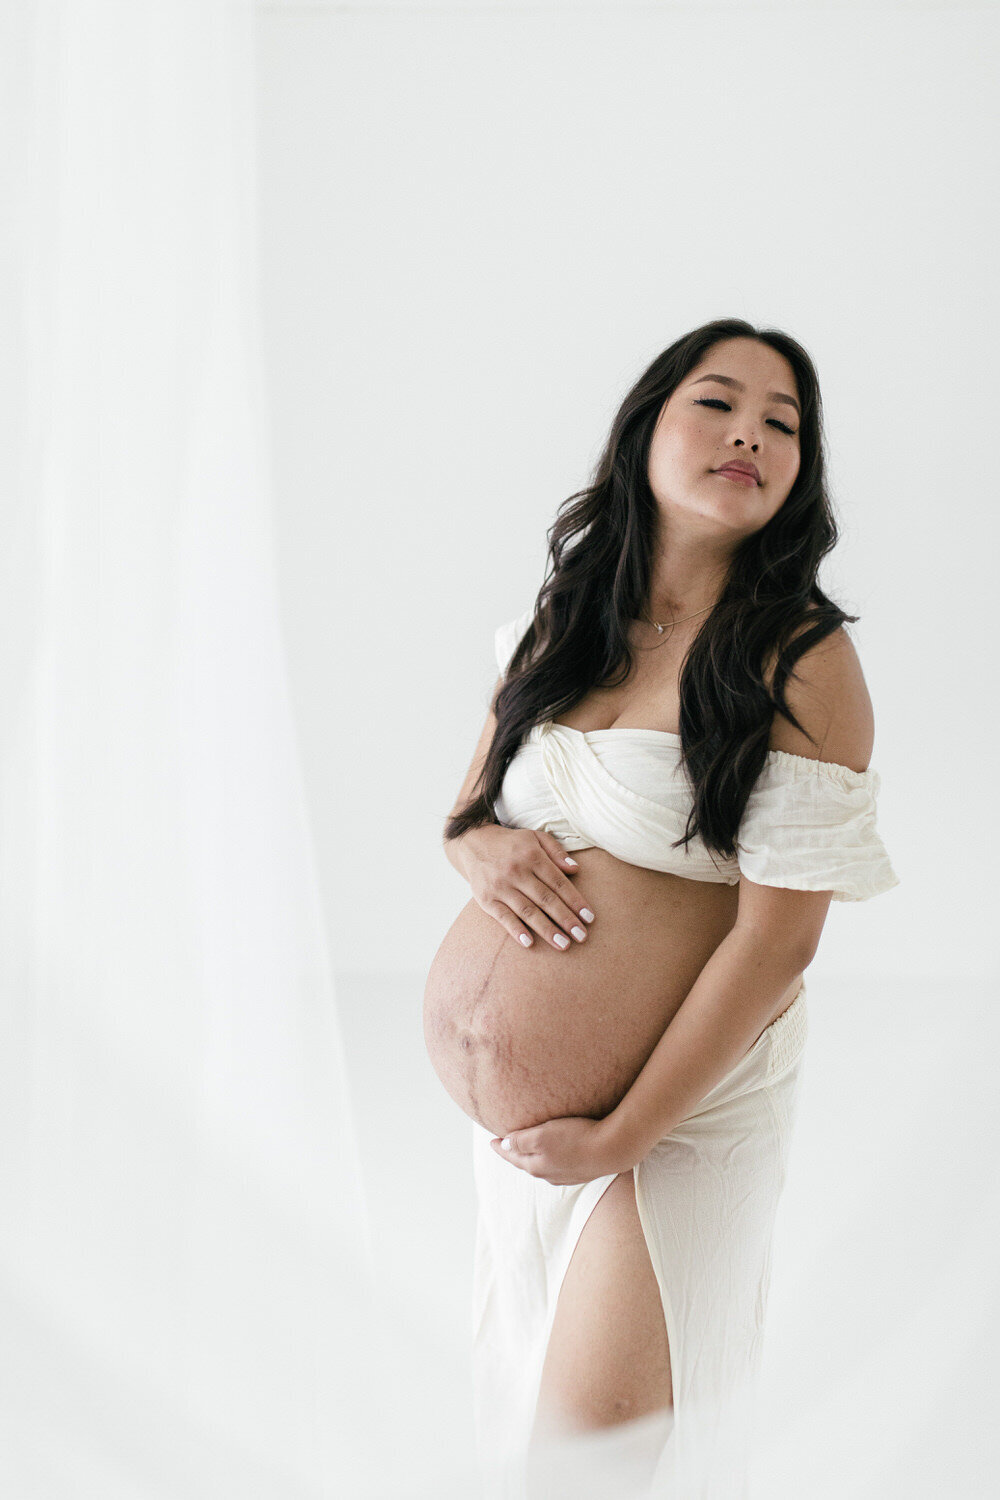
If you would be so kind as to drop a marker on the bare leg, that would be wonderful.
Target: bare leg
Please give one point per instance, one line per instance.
(608, 1358)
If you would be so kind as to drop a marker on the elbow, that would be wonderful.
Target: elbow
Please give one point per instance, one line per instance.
(794, 958)
(787, 954)
(804, 955)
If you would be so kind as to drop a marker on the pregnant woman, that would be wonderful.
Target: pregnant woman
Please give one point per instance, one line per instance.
(671, 785)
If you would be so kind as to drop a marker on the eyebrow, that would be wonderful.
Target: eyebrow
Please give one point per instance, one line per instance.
(739, 386)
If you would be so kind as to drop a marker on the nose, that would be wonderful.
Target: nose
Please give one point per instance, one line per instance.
(741, 442)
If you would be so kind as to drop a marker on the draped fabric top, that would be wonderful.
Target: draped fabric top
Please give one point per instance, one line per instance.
(809, 825)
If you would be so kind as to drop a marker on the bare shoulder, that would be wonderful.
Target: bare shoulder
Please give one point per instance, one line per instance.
(828, 694)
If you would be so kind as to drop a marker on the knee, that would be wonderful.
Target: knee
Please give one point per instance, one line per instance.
(622, 1409)
(592, 1415)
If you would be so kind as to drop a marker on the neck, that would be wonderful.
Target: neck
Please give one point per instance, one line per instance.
(685, 580)
(675, 605)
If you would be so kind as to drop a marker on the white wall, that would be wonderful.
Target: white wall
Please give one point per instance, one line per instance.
(478, 225)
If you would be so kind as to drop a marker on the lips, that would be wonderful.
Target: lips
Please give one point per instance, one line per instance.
(739, 467)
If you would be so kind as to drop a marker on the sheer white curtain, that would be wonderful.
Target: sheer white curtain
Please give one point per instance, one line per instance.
(187, 1308)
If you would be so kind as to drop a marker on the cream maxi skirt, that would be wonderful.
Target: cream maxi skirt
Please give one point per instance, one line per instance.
(707, 1196)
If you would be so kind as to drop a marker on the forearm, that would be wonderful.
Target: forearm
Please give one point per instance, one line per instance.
(720, 1018)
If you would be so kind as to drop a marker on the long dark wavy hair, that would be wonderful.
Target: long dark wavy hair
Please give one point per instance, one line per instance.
(601, 550)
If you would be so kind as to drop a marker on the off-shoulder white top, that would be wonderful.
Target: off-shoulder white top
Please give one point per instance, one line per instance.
(809, 825)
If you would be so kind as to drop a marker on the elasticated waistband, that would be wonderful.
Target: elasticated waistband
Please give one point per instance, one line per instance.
(787, 1035)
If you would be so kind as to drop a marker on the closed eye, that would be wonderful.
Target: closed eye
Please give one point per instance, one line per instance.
(714, 401)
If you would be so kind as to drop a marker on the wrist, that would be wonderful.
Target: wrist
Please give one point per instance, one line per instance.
(625, 1142)
(456, 849)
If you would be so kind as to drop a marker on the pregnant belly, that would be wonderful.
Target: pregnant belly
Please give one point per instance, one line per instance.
(520, 1035)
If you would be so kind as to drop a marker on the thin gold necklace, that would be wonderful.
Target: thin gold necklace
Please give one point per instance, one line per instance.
(661, 628)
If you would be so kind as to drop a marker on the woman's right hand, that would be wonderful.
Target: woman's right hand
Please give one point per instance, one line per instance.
(517, 876)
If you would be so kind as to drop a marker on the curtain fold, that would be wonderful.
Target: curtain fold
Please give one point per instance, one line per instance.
(186, 1295)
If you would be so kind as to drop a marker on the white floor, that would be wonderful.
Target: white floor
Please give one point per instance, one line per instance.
(883, 1316)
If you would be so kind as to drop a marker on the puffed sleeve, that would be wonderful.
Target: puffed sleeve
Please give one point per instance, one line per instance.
(507, 638)
(809, 825)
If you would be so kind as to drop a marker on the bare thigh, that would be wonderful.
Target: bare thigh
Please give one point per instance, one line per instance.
(608, 1359)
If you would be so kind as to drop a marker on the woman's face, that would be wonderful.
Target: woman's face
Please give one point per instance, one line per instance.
(706, 423)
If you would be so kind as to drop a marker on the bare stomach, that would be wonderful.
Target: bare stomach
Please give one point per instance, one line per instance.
(520, 1035)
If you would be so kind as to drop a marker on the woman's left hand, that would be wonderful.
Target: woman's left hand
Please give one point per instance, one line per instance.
(567, 1150)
